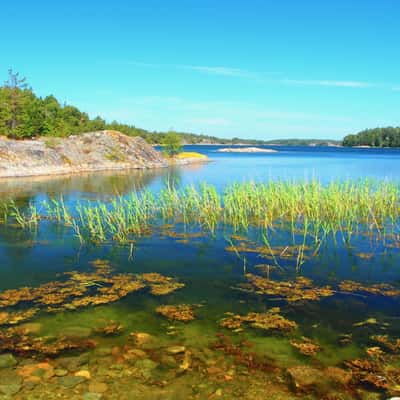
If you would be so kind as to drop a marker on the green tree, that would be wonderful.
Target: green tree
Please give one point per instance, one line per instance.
(16, 92)
(172, 143)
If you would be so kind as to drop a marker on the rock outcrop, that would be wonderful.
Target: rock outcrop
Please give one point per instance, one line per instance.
(93, 151)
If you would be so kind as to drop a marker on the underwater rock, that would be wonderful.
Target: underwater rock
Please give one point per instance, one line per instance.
(98, 387)
(82, 289)
(370, 372)
(73, 363)
(338, 375)
(374, 352)
(13, 318)
(306, 346)
(168, 361)
(76, 332)
(10, 382)
(142, 339)
(382, 289)
(387, 343)
(345, 339)
(7, 361)
(270, 320)
(10, 389)
(186, 362)
(180, 312)
(71, 381)
(92, 396)
(102, 351)
(31, 328)
(111, 328)
(292, 291)
(368, 321)
(60, 372)
(12, 340)
(175, 349)
(146, 367)
(83, 373)
(132, 355)
(304, 376)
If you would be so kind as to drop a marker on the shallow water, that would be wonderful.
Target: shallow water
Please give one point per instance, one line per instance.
(215, 362)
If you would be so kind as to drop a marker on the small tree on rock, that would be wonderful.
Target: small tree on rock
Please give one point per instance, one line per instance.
(172, 144)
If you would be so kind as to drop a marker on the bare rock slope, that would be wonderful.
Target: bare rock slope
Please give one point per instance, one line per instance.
(93, 151)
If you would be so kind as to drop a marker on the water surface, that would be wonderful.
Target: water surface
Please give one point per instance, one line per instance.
(216, 362)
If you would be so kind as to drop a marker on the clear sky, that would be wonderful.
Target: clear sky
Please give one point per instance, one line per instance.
(256, 68)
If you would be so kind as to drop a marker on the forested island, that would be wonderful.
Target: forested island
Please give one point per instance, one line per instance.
(377, 137)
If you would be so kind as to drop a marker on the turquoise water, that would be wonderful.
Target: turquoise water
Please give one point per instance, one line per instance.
(216, 362)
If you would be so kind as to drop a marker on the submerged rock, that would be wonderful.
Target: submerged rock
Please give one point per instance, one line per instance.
(98, 387)
(73, 363)
(180, 312)
(142, 339)
(7, 361)
(77, 332)
(146, 367)
(175, 349)
(10, 388)
(92, 396)
(10, 383)
(71, 381)
(303, 376)
(31, 328)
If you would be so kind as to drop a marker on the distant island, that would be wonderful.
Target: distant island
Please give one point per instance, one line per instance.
(377, 137)
(245, 150)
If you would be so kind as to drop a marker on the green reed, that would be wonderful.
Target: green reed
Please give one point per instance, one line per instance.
(308, 210)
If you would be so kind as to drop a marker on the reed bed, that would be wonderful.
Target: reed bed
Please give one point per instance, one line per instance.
(306, 209)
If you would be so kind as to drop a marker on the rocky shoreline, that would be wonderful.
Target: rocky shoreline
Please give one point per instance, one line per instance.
(92, 151)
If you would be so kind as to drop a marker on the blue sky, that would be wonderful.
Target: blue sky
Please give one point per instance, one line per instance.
(260, 69)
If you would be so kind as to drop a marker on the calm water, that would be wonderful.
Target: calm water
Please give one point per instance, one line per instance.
(216, 362)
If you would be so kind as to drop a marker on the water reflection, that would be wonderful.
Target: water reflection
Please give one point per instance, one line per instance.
(100, 184)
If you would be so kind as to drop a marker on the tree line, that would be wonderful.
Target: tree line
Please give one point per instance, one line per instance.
(377, 137)
(25, 115)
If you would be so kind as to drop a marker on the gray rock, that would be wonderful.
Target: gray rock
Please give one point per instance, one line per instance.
(92, 151)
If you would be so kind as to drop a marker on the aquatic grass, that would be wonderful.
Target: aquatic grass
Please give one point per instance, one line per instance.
(309, 211)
